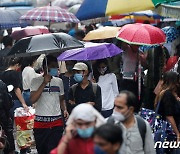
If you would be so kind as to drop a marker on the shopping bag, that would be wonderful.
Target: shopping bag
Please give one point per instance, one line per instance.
(24, 122)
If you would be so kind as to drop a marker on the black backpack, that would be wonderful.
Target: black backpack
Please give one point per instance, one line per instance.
(141, 126)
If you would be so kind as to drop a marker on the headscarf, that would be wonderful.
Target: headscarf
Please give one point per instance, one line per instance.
(86, 112)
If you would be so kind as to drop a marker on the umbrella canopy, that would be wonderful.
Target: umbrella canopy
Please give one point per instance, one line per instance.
(29, 31)
(102, 33)
(73, 9)
(100, 8)
(50, 14)
(66, 3)
(170, 9)
(9, 19)
(92, 51)
(44, 44)
(171, 33)
(141, 34)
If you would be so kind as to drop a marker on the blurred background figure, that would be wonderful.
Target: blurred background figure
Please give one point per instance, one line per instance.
(28, 73)
(68, 81)
(79, 34)
(109, 87)
(168, 97)
(8, 43)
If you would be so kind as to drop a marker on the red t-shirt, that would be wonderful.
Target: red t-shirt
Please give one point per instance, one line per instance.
(78, 146)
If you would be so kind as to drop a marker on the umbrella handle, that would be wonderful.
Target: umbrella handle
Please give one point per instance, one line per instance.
(139, 77)
(47, 71)
(92, 70)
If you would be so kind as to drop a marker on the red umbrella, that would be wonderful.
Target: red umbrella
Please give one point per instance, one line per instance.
(171, 62)
(29, 31)
(141, 34)
(50, 14)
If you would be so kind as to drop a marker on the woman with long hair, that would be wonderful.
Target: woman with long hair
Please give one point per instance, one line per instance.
(168, 99)
(109, 87)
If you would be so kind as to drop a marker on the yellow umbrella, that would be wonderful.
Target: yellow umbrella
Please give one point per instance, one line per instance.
(102, 33)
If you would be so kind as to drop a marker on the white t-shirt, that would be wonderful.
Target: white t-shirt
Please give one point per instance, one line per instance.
(27, 75)
(49, 102)
(109, 90)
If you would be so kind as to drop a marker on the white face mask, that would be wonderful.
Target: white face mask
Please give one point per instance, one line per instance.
(118, 116)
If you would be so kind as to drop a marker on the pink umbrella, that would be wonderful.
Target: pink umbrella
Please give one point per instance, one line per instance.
(29, 31)
(50, 14)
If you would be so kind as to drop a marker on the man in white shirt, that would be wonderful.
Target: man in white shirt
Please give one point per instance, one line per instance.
(47, 91)
(136, 140)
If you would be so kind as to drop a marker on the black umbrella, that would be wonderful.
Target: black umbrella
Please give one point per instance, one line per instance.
(44, 44)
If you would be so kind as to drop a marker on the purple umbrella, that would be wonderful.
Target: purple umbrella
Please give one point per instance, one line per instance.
(91, 51)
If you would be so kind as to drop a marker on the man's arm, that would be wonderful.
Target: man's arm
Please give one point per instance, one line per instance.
(70, 96)
(35, 95)
(62, 103)
(98, 99)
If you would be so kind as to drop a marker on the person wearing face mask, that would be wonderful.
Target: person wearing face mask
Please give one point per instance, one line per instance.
(109, 87)
(80, 127)
(108, 138)
(84, 91)
(68, 81)
(137, 134)
(47, 92)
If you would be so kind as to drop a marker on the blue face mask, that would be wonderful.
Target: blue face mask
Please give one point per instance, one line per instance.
(53, 71)
(85, 133)
(78, 77)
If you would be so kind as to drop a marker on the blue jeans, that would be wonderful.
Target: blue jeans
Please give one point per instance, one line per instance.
(16, 104)
(26, 96)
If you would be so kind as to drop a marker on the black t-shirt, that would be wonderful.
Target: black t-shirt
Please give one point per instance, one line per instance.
(87, 95)
(168, 107)
(14, 78)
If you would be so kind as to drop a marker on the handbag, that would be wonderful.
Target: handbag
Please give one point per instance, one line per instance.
(161, 129)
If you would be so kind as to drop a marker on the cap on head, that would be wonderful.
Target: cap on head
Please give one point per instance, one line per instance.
(80, 67)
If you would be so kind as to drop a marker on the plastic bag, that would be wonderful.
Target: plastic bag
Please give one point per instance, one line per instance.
(24, 125)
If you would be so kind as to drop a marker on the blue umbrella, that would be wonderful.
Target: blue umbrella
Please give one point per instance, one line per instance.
(171, 33)
(10, 18)
(92, 51)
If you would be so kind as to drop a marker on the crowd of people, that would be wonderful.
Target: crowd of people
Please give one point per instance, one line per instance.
(91, 108)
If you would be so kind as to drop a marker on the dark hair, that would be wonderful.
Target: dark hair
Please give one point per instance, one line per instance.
(97, 66)
(50, 59)
(89, 28)
(170, 82)
(7, 40)
(14, 61)
(80, 33)
(109, 132)
(28, 61)
(146, 22)
(131, 99)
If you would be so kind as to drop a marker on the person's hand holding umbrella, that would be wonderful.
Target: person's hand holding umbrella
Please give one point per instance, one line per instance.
(47, 79)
